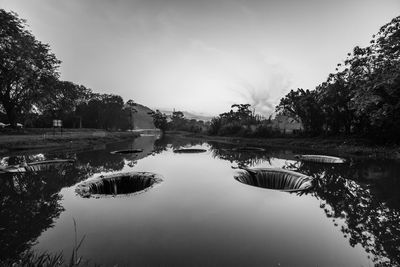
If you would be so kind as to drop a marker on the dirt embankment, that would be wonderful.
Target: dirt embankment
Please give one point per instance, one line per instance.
(57, 141)
(339, 146)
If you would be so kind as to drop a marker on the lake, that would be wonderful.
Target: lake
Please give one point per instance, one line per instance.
(199, 215)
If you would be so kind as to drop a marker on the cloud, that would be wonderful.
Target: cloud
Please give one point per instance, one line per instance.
(264, 92)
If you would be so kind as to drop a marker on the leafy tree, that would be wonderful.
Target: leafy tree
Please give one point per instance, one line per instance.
(362, 97)
(105, 111)
(375, 73)
(160, 120)
(333, 97)
(130, 109)
(177, 120)
(303, 105)
(62, 101)
(26, 66)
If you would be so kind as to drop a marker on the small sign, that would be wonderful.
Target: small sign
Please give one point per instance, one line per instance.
(57, 123)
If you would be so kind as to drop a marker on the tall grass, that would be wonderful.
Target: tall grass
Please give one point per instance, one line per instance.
(30, 258)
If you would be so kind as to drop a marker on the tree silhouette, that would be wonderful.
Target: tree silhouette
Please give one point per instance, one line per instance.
(26, 66)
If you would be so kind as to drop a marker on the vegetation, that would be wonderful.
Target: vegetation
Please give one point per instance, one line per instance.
(31, 92)
(177, 122)
(241, 121)
(26, 67)
(160, 120)
(180, 123)
(362, 98)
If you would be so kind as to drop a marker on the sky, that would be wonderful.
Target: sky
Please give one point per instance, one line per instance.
(202, 56)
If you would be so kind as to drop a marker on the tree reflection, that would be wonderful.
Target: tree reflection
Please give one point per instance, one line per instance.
(166, 142)
(368, 220)
(242, 159)
(100, 161)
(29, 203)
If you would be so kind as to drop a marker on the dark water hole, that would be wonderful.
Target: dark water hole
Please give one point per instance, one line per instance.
(249, 149)
(127, 151)
(189, 150)
(118, 184)
(321, 159)
(278, 179)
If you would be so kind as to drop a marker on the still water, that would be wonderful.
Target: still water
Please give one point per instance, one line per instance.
(199, 214)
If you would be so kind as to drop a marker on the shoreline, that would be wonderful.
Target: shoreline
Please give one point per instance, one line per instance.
(74, 141)
(338, 146)
(90, 138)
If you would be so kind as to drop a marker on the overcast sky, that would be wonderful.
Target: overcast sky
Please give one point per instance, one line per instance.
(202, 56)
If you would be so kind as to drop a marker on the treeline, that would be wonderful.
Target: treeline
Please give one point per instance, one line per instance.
(361, 98)
(178, 122)
(32, 93)
(241, 121)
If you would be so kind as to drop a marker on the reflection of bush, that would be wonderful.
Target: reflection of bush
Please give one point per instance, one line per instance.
(368, 221)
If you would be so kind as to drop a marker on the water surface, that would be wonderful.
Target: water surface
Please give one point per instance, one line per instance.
(200, 215)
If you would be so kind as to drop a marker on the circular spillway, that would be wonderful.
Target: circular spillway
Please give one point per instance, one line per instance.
(320, 159)
(118, 184)
(249, 149)
(190, 150)
(127, 151)
(278, 179)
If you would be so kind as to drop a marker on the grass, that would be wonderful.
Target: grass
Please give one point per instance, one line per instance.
(12, 142)
(45, 259)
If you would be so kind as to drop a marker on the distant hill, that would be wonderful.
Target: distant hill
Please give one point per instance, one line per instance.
(189, 115)
(141, 118)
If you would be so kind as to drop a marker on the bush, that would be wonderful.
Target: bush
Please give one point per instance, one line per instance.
(231, 129)
(265, 130)
(215, 126)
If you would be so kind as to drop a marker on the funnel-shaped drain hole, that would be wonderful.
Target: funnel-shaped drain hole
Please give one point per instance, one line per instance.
(249, 149)
(320, 159)
(278, 179)
(118, 184)
(190, 150)
(127, 151)
(45, 165)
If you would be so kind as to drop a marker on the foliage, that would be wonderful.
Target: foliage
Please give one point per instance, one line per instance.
(160, 120)
(302, 104)
(104, 111)
(362, 97)
(241, 121)
(30, 91)
(26, 67)
(180, 123)
(265, 130)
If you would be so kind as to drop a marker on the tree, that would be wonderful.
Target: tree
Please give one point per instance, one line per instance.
(26, 66)
(160, 120)
(362, 97)
(130, 108)
(303, 106)
(177, 120)
(334, 99)
(62, 101)
(375, 74)
(104, 111)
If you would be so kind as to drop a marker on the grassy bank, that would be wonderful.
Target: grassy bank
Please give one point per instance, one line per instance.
(340, 146)
(48, 140)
